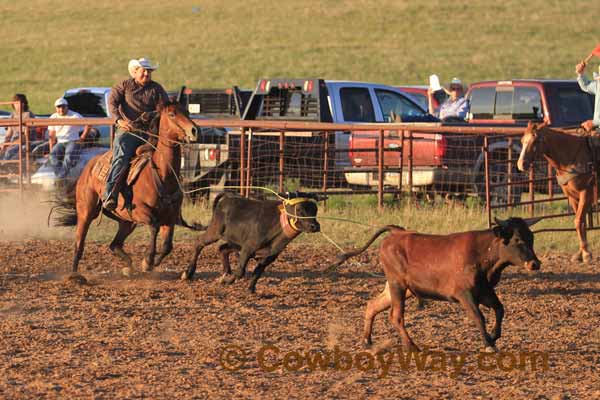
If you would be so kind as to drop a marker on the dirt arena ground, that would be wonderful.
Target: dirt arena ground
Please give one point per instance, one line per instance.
(155, 337)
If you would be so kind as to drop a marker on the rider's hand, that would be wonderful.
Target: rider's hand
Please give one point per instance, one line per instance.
(124, 124)
(588, 125)
(579, 68)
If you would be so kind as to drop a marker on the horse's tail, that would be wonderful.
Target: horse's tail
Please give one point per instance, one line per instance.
(64, 206)
(344, 256)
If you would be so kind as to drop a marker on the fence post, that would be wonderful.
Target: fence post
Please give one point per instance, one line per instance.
(325, 161)
(380, 171)
(401, 162)
(281, 160)
(509, 174)
(249, 164)
(410, 164)
(486, 163)
(18, 108)
(550, 180)
(242, 161)
(531, 190)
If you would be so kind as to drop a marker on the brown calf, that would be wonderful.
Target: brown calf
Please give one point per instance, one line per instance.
(461, 267)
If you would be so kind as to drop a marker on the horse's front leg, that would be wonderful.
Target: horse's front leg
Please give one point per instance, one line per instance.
(148, 262)
(585, 203)
(166, 233)
(574, 203)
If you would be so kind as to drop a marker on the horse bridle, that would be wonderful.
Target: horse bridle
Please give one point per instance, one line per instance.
(158, 115)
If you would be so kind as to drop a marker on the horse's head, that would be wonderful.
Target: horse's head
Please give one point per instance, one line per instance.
(175, 123)
(530, 145)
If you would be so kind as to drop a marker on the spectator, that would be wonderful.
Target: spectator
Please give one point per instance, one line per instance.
(455, 107)
(590, 87)
(11, 152)
(127, 102)
(65, 140)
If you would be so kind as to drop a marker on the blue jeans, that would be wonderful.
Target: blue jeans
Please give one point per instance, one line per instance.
(124, 148)
(12, 152)
(63, 157)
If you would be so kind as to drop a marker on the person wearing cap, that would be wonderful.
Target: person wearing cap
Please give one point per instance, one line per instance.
(128, 100)
(11, 152)
(590, 87)
(65, 140)
(455, 107)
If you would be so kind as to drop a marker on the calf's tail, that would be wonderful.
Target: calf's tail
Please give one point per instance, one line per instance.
(217, 199)
(344, 256)
(194, 226)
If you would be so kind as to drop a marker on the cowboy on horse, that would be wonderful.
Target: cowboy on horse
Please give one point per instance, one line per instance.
(130, 102)
(591, 87)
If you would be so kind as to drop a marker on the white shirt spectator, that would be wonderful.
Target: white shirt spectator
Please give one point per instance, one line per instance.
(66, 133)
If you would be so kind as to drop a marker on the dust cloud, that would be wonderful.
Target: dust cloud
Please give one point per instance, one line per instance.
(25, 216)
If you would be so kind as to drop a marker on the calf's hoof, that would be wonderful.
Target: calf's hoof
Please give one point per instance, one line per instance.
(127, 272)
(367, 343)
(227, 279)
(587, 258)
(146, 267)
(184, 276)
(490, 349)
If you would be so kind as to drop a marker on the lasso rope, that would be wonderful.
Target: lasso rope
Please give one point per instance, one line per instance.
(283, 199)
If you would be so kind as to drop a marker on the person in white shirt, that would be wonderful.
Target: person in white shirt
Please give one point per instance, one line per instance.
(65, 140)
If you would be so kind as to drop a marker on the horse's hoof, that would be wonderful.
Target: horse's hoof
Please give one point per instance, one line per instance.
(577, 257)
(126, 272)
(587, 258)
(146, 267)
(184, 276)
(227, 279)
(490, 349)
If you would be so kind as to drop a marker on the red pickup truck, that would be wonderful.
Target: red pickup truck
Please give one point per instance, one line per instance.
(453, 163)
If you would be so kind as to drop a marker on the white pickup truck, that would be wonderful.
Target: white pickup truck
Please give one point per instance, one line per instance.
(93, 102)
(89, 102)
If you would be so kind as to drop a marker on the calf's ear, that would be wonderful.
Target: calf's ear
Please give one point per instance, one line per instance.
(532, 221)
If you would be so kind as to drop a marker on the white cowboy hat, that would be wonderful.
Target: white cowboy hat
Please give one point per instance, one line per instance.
(140, 63)
(61, 101)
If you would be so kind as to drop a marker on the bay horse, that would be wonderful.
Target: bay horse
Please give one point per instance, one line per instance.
(573, 159)
(157, 196)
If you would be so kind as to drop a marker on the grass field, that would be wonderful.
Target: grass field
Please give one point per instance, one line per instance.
(51, 46)
(48, 47)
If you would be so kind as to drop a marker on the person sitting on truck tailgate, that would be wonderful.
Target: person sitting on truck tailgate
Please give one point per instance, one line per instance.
(64, 140)
(11, 152)
(127, 102)
(455, 107)
(590, 87)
